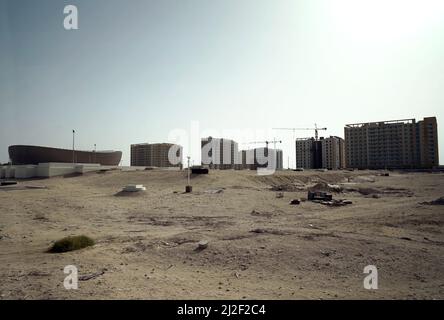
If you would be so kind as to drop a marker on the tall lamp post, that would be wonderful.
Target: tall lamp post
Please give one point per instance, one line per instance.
(188, 188)
(73, 140)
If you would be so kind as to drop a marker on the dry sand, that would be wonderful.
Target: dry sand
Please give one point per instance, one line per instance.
(145, 244)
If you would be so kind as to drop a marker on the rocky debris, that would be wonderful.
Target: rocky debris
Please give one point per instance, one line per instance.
(37, 273)
(201, 245)
(328, 253)
(334, 188)
(260, 213)
(325, 187)
(4, 236)
(319, 195)
(287, 187)
(92, 275)
(437, 202)
(259, 230)
(295, 202)
(271, 231)
(40, 216)
(214, 191)
(334, 202)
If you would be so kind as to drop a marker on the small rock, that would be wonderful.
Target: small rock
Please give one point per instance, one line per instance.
(295, 202)
(203, 244)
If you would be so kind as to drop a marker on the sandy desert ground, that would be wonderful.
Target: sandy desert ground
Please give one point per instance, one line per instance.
(260, 247)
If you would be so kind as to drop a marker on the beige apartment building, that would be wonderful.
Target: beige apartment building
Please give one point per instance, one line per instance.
(219, 153)
(156, 155)
(392, 144)
(333, 153)
(428, 142)
(326, 153)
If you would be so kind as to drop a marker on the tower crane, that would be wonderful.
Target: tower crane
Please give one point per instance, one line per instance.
(266, 142)
(316, 130)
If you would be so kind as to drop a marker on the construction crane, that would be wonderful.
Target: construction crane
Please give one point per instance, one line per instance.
(266, 142)
(316, 130)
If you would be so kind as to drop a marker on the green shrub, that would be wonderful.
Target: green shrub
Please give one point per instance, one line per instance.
(71, 243)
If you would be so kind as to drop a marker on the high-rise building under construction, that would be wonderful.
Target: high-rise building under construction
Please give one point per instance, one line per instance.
(327, 153)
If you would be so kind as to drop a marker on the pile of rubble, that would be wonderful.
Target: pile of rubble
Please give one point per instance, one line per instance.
(326, 199)
(335, 202)
(320, 197)
(326, 187)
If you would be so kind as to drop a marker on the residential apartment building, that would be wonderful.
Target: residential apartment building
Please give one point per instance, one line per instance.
(392, 144)
(156, 155)
(260, 158)
(428, 142)
(305, 153)
(219, 153)
(333, 153)
(266, 158)
(327, 153)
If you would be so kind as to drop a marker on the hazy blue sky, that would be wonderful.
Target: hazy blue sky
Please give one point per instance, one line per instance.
(137, 69)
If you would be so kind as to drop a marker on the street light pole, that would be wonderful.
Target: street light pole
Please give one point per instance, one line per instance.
(188, 187)
(73, 140)
(188, 170)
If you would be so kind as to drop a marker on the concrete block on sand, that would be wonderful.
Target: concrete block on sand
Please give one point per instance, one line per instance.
(134, 188)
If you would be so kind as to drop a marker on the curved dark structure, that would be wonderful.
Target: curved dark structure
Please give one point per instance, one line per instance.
(21, 155)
